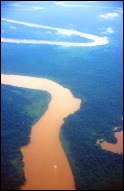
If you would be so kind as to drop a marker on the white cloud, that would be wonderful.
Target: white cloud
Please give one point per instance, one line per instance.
(73, 5)
(105, 37)
(28, 24)
(119, 11)
(15, 5)
(13, 27)
(96, 40)
(65, 4)
(37, 7)
(64, 32)
(24, 7)
(109, 30)
(109, 15)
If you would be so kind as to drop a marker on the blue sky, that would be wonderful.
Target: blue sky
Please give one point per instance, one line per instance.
(101, 18)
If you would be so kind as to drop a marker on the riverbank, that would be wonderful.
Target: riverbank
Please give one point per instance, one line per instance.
(46, 166)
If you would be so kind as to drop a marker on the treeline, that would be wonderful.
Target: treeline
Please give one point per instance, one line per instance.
(17, 120)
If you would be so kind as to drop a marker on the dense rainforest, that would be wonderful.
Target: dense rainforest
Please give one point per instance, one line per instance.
(94, 75)
(20, 109)
(93, 168)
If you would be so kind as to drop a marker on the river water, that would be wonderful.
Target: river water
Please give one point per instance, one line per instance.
(45, 164)
(115, 148)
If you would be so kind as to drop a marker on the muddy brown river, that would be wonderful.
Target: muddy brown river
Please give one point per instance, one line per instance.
(45, 164)
(115, 148)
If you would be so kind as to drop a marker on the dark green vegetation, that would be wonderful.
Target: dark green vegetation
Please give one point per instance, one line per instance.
(21, 108)
(93, 168)
(94, 74)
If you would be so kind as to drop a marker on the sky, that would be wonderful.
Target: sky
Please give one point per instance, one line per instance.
(57, 22)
